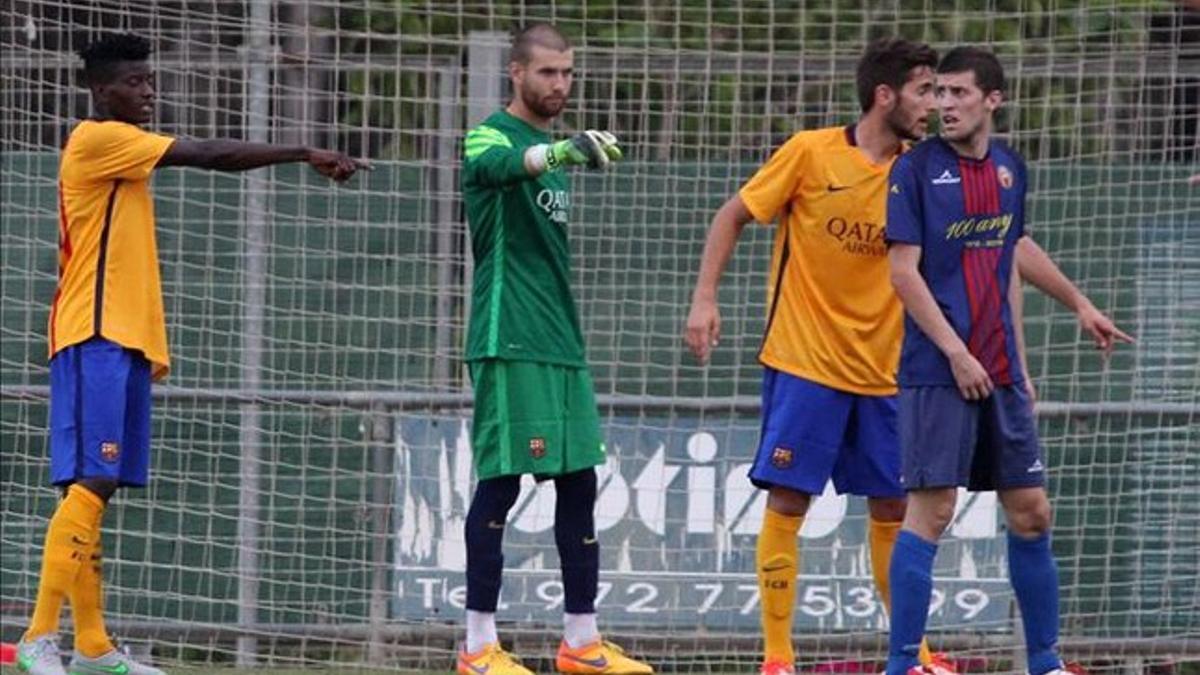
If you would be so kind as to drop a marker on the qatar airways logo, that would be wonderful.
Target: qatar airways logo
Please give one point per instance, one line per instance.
(555, 204)
(857, 238)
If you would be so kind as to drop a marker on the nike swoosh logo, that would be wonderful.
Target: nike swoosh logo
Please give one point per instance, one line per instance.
(595, 663)
(587, 541)
(838, 188)
(495, 526)
(119, 669)
(776, 568)
(77, 540)
(476, 669)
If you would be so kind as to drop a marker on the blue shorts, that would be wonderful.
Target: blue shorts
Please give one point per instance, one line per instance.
(812, 433)
(99, 414)
(948, 441)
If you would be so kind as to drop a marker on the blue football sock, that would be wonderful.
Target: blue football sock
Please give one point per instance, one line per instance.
(912, 584)
(1034, 576)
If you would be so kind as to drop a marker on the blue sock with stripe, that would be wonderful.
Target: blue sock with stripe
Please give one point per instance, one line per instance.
(1034, 577)
(911, 575)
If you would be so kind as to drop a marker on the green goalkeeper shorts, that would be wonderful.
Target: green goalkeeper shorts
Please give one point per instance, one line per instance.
(533, 418)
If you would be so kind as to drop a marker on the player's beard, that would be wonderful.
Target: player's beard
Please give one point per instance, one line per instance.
(546, 107)
(895, 122)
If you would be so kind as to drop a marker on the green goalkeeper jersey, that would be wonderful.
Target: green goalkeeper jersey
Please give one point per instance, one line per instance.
(521, 305)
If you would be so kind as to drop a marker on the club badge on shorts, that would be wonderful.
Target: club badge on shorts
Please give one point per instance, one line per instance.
(781, 458)
(109, 451)
(537, 447)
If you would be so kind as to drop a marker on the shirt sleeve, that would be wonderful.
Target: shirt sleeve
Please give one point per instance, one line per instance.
(491, 160)
(116, 150)
(904, 222)
(772, 186)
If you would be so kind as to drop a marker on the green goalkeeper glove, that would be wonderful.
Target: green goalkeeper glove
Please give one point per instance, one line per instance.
(594, 148)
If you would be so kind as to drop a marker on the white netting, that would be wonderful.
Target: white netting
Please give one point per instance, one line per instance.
(311, 477)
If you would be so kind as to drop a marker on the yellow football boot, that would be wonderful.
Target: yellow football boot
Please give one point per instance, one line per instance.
(490, 660)
(600, 656)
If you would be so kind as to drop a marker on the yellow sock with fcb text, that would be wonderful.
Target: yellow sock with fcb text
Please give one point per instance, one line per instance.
(778, 559)
(68, 544)
(882, 535)
(87, 604)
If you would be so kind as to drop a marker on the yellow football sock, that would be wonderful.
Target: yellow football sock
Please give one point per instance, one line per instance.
(69, 541)
(883, 540)
(778, 560)
(87, 605)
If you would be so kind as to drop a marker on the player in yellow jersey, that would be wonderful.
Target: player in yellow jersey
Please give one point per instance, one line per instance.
(833, 333)
(107, 334)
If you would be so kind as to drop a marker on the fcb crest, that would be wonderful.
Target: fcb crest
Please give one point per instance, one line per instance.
(1005, 176)
(537, 447)
(109, 451)
(781, 458)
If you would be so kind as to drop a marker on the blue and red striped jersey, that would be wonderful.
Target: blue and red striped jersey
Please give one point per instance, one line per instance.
(966, 215)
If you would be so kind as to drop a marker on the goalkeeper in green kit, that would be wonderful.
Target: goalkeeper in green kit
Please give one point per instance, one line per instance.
(535, 411)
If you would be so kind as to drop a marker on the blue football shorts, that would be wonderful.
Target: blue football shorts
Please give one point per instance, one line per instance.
(948, 441)
(812, 434)
(100, 414)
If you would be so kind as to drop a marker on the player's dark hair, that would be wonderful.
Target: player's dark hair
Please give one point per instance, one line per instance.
(989, 74)
(889, 61)
(541, 34)
(101, 57)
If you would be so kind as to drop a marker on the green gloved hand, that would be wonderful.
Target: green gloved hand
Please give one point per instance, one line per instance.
(593, 148)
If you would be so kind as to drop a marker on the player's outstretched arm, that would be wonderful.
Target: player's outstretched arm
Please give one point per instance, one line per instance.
(230, 155)
(492, 161)
(703, 328)
(1036, 266)
(972, 380)
(592, 148)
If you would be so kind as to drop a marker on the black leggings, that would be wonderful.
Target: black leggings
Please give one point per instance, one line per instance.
(574, 533)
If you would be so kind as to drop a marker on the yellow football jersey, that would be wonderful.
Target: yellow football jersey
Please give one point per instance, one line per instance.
(108, 277)
(833, 317)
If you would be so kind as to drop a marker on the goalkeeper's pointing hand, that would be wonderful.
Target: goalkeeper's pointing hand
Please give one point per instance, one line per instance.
(595, 149)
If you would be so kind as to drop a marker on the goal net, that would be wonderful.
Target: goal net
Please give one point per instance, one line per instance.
(311, 467)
